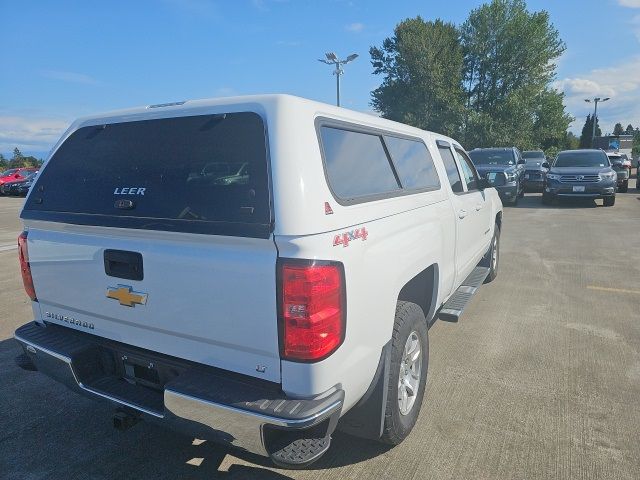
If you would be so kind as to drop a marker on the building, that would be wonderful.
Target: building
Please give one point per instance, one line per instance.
(618, 143)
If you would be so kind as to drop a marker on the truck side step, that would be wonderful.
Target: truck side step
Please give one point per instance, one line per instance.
(453, 308)
(301, 452)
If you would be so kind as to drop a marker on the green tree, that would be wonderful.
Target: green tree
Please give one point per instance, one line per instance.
(17, 160)
(636, 143)
(421, 65)
(4, 163)
(488, 83)
(587, 132)
(569, 142)
(598, 129)
(20, 160)
(618, 129)
(509, 56)
(550, 122)
(629, 130)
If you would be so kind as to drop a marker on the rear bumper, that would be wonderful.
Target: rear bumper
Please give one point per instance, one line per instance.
(246, 413)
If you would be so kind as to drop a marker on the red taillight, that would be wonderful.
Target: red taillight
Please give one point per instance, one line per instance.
(25, 268)
(312, 310)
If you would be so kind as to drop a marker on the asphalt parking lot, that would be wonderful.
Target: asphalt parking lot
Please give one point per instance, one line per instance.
(540, 379)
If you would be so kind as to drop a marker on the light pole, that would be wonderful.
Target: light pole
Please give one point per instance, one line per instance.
(595, 115)
(332, 59)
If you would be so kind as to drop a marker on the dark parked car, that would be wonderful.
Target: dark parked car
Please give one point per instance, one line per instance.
(581, 173)
(534, 171)
(19, 187)
(622, 166)
(503, 168)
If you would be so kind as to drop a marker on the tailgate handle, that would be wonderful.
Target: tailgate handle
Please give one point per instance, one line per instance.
(123, 264)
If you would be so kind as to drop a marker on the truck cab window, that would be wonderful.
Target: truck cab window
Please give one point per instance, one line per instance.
(468, 171)
(452, 169)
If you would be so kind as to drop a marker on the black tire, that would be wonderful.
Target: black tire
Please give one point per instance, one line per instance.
(609, 201)
(488, 259)
(624, 188)
(409, 319)
(521, 194)
(546, 198)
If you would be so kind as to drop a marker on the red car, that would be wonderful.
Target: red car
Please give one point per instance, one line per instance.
(15, 174)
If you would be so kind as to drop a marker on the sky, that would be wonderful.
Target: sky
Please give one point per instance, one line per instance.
(63, 59)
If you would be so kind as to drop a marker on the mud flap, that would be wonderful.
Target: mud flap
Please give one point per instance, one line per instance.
(366, 418)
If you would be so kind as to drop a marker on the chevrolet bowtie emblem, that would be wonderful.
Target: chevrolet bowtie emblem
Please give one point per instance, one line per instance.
(126, 296)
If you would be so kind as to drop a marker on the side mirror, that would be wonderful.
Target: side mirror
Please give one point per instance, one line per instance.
(545, 165)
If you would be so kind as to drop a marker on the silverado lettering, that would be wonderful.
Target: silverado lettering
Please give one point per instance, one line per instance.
(70, 320)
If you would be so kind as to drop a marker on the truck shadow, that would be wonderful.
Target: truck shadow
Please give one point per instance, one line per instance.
(50, 432)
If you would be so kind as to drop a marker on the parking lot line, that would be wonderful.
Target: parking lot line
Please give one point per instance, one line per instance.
(615, 290)
(6, 248)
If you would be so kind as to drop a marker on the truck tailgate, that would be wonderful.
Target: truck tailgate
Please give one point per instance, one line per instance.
(209, 299)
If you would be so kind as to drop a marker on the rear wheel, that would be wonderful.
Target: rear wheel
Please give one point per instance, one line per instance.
(609, 201)
(407, 372)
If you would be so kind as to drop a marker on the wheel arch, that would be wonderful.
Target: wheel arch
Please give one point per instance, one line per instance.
(422, 290)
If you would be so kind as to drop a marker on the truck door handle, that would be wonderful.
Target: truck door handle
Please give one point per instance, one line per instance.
(462, 213)
(479, 206)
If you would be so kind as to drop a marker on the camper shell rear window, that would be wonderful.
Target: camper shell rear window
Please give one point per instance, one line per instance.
(199, 174)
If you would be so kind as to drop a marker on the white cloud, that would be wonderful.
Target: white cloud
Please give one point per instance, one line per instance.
(30, 133)
(71, 77)
(635, 20)
(619, 82)
(356, 27)
(582, 86)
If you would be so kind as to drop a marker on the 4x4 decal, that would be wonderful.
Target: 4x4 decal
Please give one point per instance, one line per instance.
(346, 237)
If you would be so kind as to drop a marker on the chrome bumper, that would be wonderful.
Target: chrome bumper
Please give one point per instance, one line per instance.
(195, 402)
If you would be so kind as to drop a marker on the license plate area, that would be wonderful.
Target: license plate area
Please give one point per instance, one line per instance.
(578, 188)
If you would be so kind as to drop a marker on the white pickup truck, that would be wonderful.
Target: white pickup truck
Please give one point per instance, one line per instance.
(257, 271)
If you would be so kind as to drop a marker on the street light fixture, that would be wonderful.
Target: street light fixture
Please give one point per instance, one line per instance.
(595, 115)
(332, 59)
